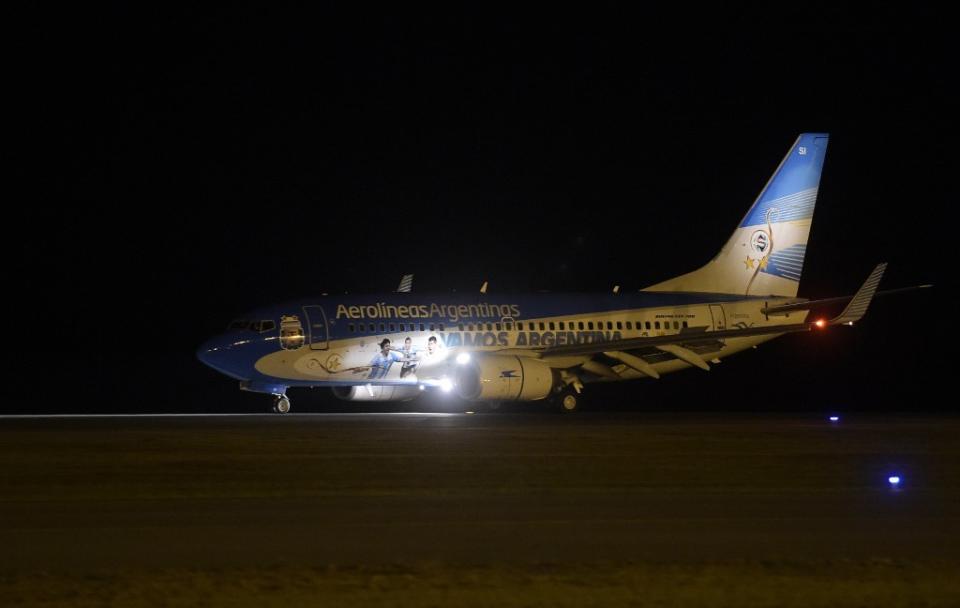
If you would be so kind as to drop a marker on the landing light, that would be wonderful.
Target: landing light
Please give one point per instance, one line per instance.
(463, 358)
(446, 385)
(820, 323)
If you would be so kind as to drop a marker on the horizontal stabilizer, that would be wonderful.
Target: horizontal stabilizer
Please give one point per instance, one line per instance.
(858, 305)
(809, 304)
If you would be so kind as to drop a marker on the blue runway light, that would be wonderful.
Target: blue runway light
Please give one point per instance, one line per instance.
(894, 480)
(834, 418)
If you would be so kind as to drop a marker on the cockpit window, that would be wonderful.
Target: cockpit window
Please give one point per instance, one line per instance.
(260, 326)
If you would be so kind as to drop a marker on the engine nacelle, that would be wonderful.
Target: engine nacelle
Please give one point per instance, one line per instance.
(370, 392)
(504, 377)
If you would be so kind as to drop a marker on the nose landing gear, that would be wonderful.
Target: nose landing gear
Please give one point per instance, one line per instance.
(281, 404)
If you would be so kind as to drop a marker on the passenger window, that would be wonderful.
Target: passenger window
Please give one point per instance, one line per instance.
(590, 325)
(441, 327)
(509, 326)
(552, 327)
(542, 326)
(350, 327)
(460, 326)
(489, 326)
(562, 328)
(580, 324)
(656, 324)
(676, 324)
(422, 327)
(498, 327)
(403, 327)
(685, 324)
(648, 324)
(629, 324)
(393, 327)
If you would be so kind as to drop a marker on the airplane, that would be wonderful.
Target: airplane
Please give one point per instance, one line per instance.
(490, 347)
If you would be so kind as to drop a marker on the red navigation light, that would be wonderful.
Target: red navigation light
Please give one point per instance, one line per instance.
(820, 323)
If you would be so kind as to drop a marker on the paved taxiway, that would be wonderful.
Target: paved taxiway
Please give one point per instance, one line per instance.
(208, 492)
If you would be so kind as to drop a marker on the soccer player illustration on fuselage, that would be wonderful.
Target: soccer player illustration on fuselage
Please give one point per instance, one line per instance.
(383, 361)
(410, 358)
(431, 355)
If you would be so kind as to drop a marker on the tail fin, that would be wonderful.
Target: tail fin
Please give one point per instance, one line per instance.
(764, 256)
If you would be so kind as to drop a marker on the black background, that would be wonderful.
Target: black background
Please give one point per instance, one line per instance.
(184, 165)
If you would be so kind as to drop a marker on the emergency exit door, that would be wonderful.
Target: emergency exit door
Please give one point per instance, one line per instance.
(719, 319)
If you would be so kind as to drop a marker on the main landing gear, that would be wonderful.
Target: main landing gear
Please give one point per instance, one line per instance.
(281, 404)
(567, 400)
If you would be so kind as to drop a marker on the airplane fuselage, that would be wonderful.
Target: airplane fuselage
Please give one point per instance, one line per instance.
(338, 341)
(492, 347)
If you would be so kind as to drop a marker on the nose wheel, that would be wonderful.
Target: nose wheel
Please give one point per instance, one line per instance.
(281, 404)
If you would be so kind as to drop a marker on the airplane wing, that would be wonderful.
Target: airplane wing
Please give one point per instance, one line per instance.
(861, 300)
(693, 335)
(810, 304)
(406, 284)
(691, 343)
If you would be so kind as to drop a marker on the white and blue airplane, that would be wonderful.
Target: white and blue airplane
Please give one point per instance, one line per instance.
(493, 347)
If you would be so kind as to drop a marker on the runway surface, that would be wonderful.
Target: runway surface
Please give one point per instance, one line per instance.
(131, 494)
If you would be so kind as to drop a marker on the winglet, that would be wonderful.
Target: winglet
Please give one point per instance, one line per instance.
(858, 305)
(406, 284)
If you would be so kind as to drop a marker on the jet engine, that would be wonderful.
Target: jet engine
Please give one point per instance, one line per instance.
(504, 377)
(370, 392)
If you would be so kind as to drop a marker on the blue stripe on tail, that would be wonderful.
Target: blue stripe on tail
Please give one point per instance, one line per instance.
(792, 191)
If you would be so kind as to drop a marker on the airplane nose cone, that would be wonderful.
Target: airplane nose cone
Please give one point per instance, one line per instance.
(216, 353)
(206, 353)
(228, 355)
(203, 353)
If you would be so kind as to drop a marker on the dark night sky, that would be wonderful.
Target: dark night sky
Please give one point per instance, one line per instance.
(187, 165)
